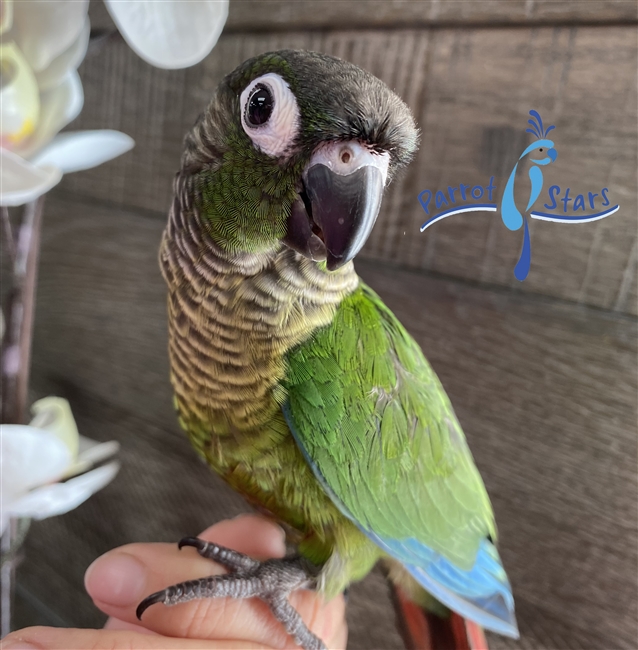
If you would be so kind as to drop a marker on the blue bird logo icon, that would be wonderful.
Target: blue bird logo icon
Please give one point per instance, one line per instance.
(541, 152)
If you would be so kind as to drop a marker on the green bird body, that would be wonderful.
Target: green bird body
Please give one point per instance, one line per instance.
(292, 379)
(230, 335)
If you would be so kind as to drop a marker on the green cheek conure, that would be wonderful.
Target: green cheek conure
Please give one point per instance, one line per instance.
(292, 379)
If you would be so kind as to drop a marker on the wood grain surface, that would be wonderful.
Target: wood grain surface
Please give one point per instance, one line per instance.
(544, 388)
(269, 15)
(470, 90)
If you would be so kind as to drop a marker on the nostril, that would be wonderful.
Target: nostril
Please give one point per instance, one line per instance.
(345, 156)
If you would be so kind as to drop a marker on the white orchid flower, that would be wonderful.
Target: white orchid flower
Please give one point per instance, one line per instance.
(170, 33)
(42, 44)
(34, 459)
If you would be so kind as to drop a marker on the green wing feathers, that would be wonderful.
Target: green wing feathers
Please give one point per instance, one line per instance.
(375, 420)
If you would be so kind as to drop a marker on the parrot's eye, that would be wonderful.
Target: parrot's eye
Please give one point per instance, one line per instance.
(259, 106)
(541, 149)
(269, 114)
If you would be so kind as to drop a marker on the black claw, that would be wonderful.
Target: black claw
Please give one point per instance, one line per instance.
(157, 597)
(191, 541)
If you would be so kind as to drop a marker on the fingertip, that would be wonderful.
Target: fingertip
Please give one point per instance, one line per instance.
(116, 578)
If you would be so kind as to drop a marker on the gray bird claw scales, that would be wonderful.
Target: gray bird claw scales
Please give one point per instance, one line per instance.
(272, 581)
(228, 558)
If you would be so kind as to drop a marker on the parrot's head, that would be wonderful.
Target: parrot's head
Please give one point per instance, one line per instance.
(297, 148)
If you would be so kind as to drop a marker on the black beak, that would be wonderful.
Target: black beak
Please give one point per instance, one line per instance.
(332, 218)
(344, 208)
(300, 235)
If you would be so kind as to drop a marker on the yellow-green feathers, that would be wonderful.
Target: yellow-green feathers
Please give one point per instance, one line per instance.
(373, 417)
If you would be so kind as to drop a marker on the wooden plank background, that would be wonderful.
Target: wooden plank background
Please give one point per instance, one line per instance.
(470, 89)
(276, 15)
(542, 373)
(545, 390)
(408, 13)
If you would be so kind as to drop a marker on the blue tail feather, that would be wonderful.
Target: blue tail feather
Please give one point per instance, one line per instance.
(482, 593)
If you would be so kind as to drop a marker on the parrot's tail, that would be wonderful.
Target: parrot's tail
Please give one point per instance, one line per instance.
(423, 622)
(481, 593)
(422, 629)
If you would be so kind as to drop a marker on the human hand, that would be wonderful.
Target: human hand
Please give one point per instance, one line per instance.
(120, 579)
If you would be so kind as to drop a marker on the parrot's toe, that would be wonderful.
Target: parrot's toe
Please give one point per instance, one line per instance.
(271, 580)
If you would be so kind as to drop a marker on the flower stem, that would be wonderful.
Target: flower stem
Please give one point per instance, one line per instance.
(10, 557)
(16, 346)
(7, 234)
(7, 574)
(14, 372)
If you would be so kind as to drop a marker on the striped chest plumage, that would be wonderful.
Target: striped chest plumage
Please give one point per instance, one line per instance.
(232, 320)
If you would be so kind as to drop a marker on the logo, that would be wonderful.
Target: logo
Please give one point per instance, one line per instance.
(540, 153)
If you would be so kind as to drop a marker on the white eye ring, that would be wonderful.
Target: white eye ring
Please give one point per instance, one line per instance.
(278, 133)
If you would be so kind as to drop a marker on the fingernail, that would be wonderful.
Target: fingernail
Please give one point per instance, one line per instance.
(280, 529)
(260, 517)
(277, 546)
(116, 579)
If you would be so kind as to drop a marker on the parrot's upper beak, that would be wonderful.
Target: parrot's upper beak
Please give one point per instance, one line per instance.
(552, 153)
(343, 187)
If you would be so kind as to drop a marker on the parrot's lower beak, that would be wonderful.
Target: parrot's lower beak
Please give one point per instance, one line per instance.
(343, 188)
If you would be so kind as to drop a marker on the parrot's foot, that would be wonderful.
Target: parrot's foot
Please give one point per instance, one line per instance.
(272, 581)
